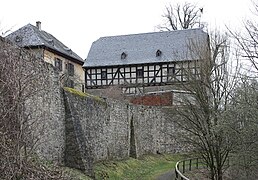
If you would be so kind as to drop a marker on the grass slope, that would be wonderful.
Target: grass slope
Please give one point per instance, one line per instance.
(148, 167)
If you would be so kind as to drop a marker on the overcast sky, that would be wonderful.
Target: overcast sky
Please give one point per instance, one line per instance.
(78, 23)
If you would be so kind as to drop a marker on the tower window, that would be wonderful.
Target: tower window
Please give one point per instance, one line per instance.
(158, 53)
(123, 55)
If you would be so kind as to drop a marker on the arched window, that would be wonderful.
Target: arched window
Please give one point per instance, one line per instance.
(158, 53)
(123, 55)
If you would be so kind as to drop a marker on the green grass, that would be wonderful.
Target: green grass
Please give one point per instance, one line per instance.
(148, 167)
(75, 174)
(145, 168)
(82, 94)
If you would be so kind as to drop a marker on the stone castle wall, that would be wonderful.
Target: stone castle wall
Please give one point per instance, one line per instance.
(77, 130)
(46, 112)
(109, 129)
(34, 88)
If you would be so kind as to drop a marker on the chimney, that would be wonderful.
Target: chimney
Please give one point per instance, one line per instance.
(38, 24)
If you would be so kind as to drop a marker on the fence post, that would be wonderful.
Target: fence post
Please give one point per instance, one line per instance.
(184, 166)
(184, 163)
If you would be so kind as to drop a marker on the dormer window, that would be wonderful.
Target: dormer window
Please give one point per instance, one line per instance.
(68, 50)
(123, 55)
(18, 39)
(158, 53)
(51, 42)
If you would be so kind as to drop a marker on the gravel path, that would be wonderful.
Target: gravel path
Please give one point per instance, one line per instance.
(167, 176)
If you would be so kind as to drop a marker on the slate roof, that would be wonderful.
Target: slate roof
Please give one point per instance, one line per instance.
(30, 36)
(142, 48)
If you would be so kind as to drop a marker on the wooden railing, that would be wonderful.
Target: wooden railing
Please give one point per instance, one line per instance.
(188, 165)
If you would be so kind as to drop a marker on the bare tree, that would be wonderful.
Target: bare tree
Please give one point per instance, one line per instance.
(21, 77)
(202, 114)
(243, 113)
(72, 81)
(184, 16)
(4, 31)
(248, 40)
(243, 110)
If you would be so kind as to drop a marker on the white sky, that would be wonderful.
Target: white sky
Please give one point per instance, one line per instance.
(78, 23)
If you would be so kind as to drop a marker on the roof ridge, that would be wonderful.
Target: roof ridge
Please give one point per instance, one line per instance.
(134, 34)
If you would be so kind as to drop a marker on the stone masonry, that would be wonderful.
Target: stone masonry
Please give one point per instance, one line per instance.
(78, 130)
(109, 129)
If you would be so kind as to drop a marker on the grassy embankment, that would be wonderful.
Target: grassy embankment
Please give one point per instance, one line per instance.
(147, 167)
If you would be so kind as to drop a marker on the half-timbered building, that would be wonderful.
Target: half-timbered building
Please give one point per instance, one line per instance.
(143, 63)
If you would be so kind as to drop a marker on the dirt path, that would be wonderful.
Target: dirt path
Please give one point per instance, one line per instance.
(167, 176)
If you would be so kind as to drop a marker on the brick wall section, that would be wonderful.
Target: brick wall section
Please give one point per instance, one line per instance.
(161, 99)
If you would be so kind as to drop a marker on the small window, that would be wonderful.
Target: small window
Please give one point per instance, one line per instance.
(171, 70)
(58, 64)
(139, 73)
(70, 69)
(158, 53)
(123, 55)
(103, 74)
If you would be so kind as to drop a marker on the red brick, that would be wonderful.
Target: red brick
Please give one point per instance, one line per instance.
(161, 99)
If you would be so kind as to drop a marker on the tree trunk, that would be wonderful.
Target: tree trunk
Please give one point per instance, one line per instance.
(220, 173)
(212, 171)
